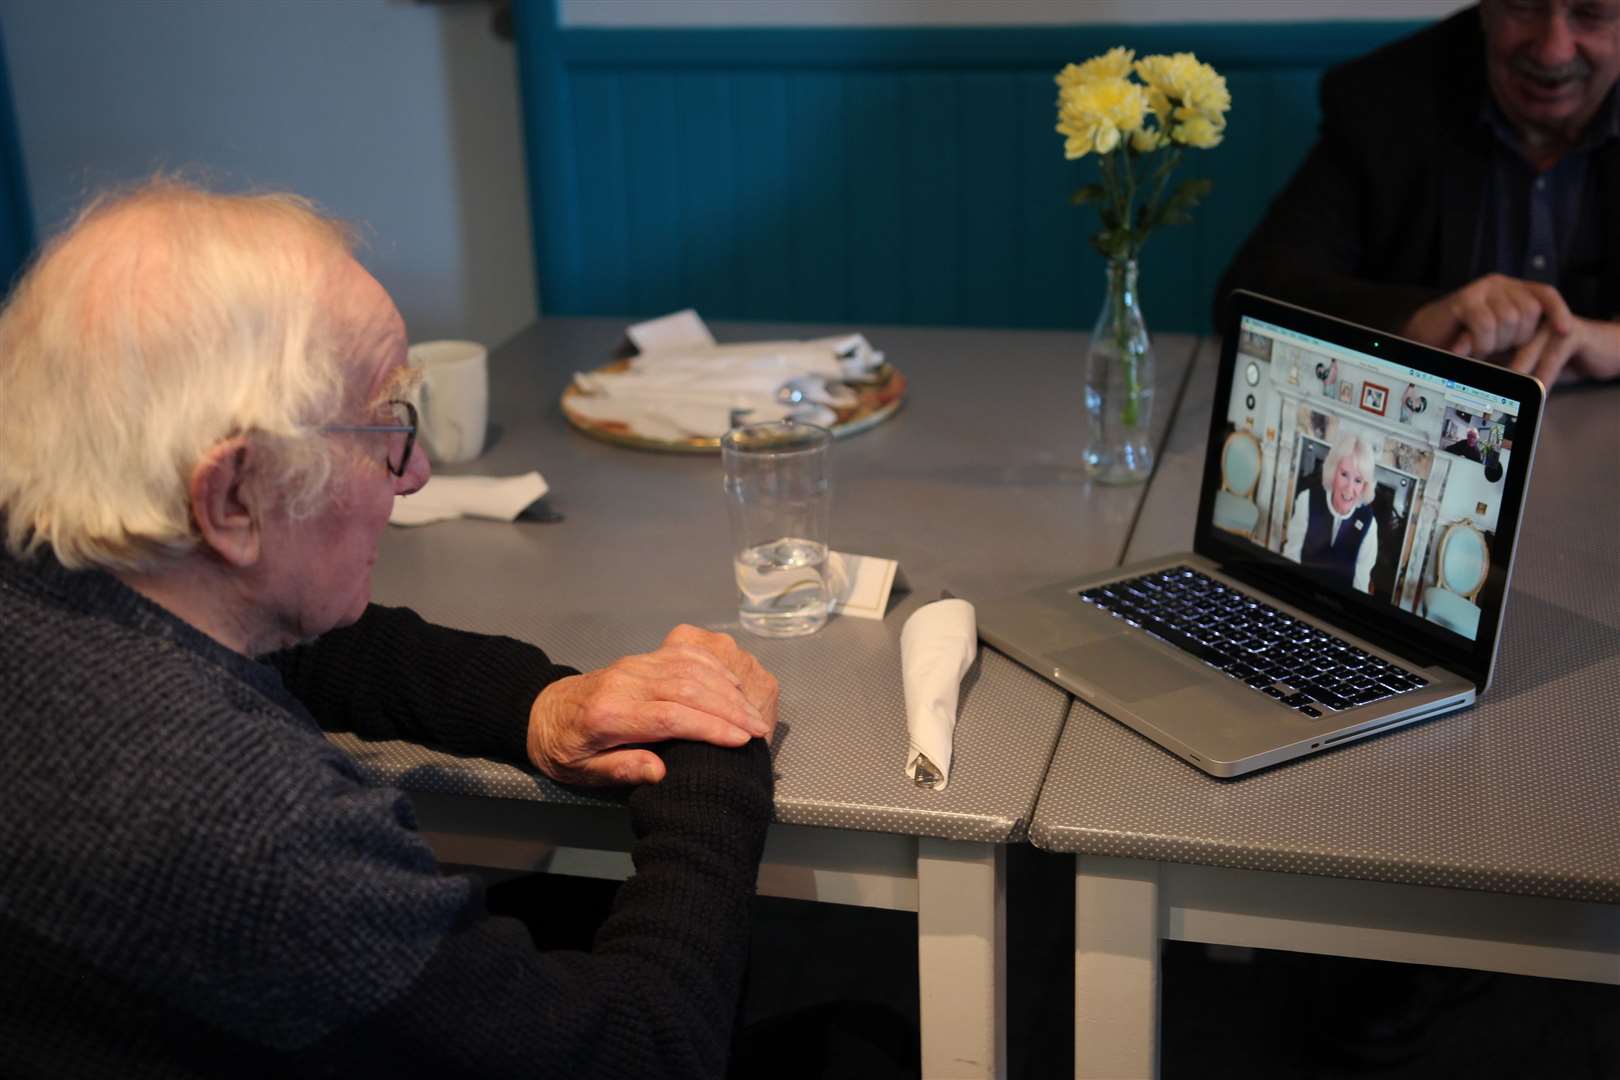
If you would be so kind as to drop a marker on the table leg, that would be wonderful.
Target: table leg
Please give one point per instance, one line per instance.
(1116, 968)
(962, 958)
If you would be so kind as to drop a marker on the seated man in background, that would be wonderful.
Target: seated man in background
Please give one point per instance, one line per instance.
(1467, 446)
(206, 421)
(1465, 191)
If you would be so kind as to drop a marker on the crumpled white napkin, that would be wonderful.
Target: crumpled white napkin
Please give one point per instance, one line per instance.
(702, 390)
(501, 498)
(846, 356)
(937, 646)
(672, 419)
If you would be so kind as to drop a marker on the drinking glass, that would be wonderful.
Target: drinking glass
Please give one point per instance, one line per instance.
(779, 494)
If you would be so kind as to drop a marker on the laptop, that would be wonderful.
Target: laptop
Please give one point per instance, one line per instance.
(1352, 553)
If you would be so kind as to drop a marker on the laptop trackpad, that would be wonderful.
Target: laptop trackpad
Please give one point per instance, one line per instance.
(1124, 669)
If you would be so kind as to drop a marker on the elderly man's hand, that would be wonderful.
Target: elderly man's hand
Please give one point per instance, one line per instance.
(1491, 315)
(698, 685)
(1591, 350)
(758, 685)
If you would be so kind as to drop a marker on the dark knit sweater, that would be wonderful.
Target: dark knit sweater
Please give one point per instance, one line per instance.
(194, 882)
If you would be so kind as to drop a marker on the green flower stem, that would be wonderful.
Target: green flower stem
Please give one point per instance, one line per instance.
(1161, 177)
(1118, 287)
(1119, 294)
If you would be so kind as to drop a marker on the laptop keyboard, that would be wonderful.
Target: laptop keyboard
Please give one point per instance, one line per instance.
(1278, 655)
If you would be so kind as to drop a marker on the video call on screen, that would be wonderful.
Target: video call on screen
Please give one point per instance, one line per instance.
(1368, 474)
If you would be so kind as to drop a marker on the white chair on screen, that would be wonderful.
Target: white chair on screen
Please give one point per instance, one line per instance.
(1460, 573)
(1235, 509)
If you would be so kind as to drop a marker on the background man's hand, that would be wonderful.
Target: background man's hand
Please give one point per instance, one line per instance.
(1494, 314)
(697, 685)
(1591, 350)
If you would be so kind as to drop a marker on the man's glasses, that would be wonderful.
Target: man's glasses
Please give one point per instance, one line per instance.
(402, 435)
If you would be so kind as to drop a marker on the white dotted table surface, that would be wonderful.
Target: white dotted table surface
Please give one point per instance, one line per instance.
(1518, 794)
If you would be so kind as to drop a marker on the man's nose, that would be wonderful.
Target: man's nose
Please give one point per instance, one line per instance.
(417, 472)
(1554, 44)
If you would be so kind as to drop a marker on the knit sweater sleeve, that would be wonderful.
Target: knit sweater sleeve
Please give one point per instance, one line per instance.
(393, 675)
(656, 996)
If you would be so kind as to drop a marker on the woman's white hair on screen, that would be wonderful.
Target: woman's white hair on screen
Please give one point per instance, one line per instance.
(1358, 450)
(165, 319)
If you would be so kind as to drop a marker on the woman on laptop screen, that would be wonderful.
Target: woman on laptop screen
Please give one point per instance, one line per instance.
(1332, 532)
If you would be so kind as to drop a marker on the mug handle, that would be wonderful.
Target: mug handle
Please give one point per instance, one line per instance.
(424, 419)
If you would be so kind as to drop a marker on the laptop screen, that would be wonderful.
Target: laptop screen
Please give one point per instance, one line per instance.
(1382, 477)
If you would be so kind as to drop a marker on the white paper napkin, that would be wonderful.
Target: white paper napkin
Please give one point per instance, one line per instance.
(859, 585)
(684, 327)
(501, 498)
(937, 646)
(672, 419)
(685, 387)
(685, 332)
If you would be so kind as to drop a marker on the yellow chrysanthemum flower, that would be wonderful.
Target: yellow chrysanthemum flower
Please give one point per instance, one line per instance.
(1146, 140)
(1113, 64)
(1160, 105)
(1094, 114)
(1125, 111)
(1189, 83)
(1198, 131)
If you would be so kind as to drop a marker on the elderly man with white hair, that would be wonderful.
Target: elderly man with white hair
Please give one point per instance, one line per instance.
(1333, 532)
(204, 419)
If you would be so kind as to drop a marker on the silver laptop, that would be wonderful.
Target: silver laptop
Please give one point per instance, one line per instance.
(1353, 550)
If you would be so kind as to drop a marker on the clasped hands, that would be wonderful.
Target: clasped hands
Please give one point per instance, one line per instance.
(697, 685)
(1525, 325)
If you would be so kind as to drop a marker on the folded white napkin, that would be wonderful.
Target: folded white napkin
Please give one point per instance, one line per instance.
(698, 390)
(502, 498)
(937, 646)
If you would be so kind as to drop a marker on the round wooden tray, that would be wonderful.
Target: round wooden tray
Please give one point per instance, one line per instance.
(876, 401)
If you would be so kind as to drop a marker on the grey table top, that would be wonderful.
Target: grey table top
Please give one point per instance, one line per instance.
(1518, 794)
(973, 486)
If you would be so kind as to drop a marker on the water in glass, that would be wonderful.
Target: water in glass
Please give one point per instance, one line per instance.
(782, 587)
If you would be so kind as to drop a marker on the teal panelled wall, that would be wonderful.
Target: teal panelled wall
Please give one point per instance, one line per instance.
(886, 175)
(16, 219)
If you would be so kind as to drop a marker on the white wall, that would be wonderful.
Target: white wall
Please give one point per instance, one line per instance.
(1467, 489)
(400, 116)
(610, 13)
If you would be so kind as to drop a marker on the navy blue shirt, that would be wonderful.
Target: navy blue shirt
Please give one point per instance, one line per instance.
(1543, 226)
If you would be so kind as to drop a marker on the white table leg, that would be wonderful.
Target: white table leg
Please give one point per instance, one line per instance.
(1116, 968)
(962, 958)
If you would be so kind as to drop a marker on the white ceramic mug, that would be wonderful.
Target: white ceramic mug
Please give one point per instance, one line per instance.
(454, 410)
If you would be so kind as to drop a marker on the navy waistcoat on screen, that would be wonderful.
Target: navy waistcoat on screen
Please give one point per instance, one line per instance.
(1333, 559)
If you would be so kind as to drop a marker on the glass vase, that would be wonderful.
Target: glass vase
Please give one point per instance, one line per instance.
(1119, 384)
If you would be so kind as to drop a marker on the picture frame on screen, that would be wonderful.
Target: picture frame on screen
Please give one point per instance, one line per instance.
(1374, 398)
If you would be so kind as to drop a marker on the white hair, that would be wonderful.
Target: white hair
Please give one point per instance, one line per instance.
(164, 320)
(1360, 451)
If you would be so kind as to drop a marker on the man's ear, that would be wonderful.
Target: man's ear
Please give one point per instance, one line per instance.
(224, 511)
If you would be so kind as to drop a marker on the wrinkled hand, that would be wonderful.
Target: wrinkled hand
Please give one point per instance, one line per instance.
(1494, 314)
(758, 685)
(1590, 350)
(697, 685)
